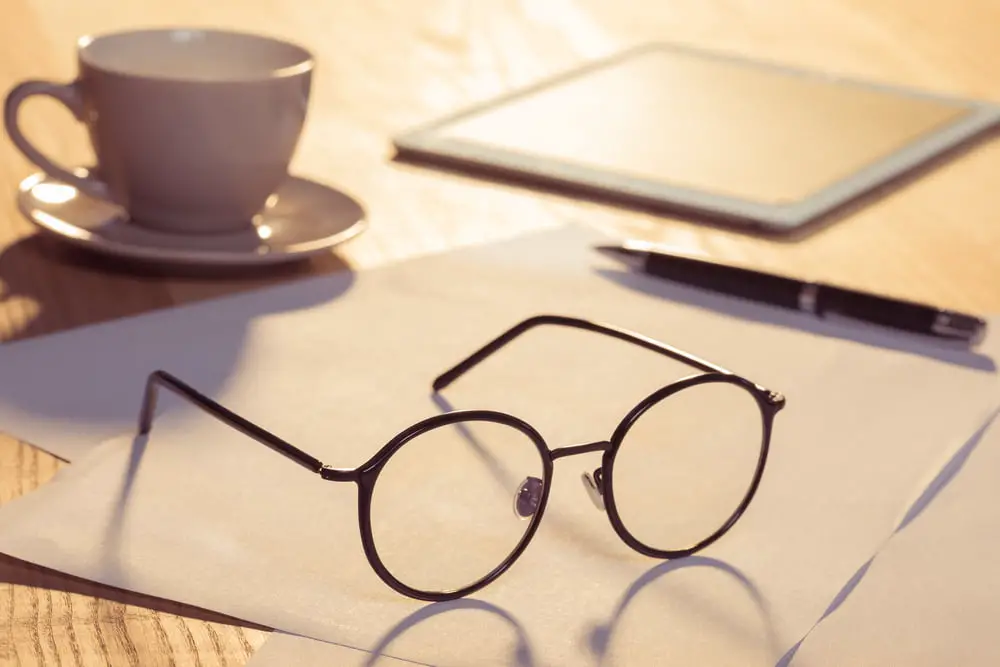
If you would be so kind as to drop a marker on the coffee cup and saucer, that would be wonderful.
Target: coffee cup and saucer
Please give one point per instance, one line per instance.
(193, 131)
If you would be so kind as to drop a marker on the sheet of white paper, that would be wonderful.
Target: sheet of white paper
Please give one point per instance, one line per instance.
(202, 515)
(281, 650)
(928, 598)
(931, 596)
(67, 392)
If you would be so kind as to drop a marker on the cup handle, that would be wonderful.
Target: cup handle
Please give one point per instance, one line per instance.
(69, 95)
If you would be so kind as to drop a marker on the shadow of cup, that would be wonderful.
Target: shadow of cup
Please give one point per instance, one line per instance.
(51, 287)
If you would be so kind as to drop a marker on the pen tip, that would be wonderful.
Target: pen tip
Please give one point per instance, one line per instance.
(621, 254)
(612, 251)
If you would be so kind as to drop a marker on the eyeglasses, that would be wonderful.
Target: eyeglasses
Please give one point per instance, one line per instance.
(450, 503)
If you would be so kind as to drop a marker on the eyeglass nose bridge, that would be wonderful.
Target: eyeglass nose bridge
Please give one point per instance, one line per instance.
(593, 482)
(573, 450)
(528, 495)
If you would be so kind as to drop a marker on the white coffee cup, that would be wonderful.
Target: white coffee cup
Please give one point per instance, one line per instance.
(193, 129)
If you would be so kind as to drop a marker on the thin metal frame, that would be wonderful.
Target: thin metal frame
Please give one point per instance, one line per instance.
(366, 475)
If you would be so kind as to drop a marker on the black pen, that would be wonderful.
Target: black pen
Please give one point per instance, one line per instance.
(815, 298)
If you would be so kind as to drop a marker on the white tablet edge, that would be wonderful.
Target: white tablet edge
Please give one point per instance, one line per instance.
(425, 142)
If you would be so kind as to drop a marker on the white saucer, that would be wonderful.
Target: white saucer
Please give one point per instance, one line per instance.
(303, 218)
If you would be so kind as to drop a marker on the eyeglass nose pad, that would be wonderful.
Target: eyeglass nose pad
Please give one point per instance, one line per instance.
(528, 497)
(594, 483)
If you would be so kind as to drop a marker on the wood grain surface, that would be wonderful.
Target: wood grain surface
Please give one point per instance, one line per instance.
(386, 66)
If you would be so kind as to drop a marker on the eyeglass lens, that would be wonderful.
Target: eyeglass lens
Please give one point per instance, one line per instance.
(452, 503)
(686, 464)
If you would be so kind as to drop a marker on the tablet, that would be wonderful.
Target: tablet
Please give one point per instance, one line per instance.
(750, 142)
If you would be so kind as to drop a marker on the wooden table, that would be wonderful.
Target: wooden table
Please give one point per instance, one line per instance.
(385, 66)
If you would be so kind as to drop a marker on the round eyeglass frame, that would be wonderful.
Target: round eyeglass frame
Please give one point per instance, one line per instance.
(767, 413)
(369, 473)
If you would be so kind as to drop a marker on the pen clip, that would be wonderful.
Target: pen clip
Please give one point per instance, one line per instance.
(960, 327)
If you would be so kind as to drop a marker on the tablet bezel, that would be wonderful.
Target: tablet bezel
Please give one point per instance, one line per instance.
(429, 143)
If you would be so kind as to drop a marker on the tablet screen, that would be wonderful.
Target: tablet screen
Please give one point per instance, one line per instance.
(710, 124)
(744, 138)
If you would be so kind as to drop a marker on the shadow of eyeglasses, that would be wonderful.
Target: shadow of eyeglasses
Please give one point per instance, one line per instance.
(600, 636)
(111, 562)
(522, 654)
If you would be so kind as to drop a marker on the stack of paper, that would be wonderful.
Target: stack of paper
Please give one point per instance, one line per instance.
(931, 596)
(338, 365)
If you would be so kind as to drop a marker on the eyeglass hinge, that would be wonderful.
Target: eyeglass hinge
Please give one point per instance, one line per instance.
(337, 474)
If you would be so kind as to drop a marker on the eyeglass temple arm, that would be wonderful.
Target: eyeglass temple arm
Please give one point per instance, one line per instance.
(481, 354)
(161, 378)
